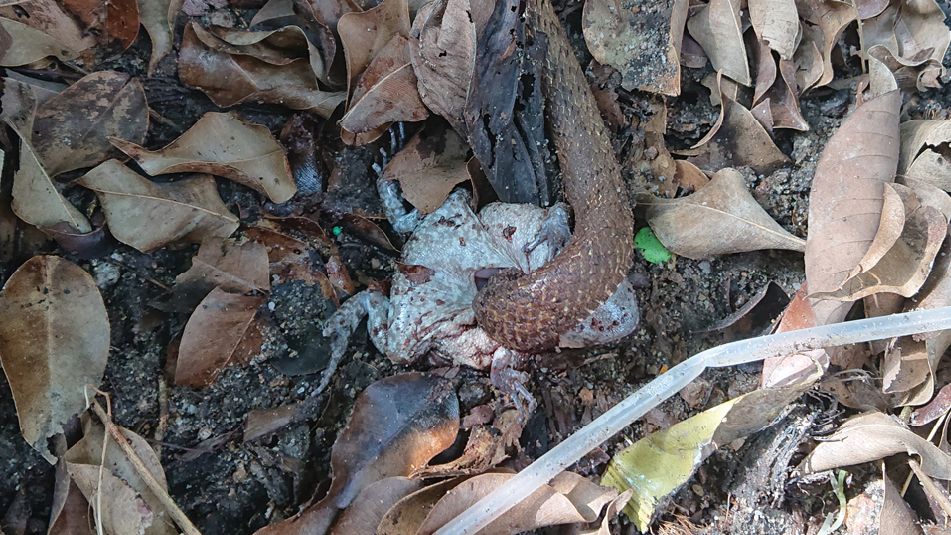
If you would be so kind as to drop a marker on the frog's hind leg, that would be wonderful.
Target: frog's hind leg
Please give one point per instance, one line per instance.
(555, 229)
(340, 327)
(511, 381)
(403, 220)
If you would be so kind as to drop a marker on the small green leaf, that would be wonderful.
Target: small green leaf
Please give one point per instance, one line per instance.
(649, 246)
(337, 230)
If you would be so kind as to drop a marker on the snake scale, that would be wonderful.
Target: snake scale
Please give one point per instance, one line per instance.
(528, 312)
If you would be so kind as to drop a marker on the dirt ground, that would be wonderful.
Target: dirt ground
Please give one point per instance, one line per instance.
(228, 486)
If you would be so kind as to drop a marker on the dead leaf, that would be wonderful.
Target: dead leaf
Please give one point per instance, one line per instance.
(484, 450)
(71, 129)
(121, 509)
(720, 218)
(158, 19)
(781, 93)
(755, 316)
(657, 465)
(40, 28)
(115, 21)
(903, 250)
(234, 267)
(431, 164)
(220, 333)
(368, 508)
(206, 62)
(36, 199)
(934, 409)
(880, 510)
(567, 499)
(53, 345)
(871, 437)
(386, 92)
(662, 163)
(829, 18)
(845, 204)
(808, 58)
(920, 156)
(225, 145)
(622, 37)
(912, 39)
(88, 453)
(407, 515)
(739, 141)
(398, 424)
(777, 23)
(147, 215)
(443, 56)
(717, 28)
(365, 34)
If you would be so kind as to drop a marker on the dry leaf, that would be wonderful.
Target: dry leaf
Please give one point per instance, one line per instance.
(229, 78)
(567, 499)
(71, 129)
(720, 218)
(398, 424)
(158, 19)
(365, 34)
(113, 500)
(429, 167)
(225, 145)
(717, 28)
(115, 21)
(780, 94)
(368, 508)
(407, 515)
(777, 23)
(830, 18)
(809, 62)
(147, 215)
(227, 264)
(40, 28)
(221, 332)
(662, 164)
(386, 92)
(739, 141)
(880, 510)
(54, 341)
(920, 156)
(845, 204)
(88, 452)
(443, 58)
(871, 437)
(912, 39)
(621, 36)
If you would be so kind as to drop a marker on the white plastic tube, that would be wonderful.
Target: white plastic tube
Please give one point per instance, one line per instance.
(576, 446)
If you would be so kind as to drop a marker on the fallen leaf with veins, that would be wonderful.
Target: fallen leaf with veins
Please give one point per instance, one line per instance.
(830, 18)
(621, 37)
(777, 23)
(902, 251)
(398, 424)
(845, 204)
(368, 508)
(229, 78)
(407, 515)
(657, 465)
(224, 145)
(40, 28)
(717, 28)
(739, 141)
(429, 167)
(871, 437)
(385, 93)
(94, 451)
(443, 54)
(720, 218)
(158, 19)
(147, 215)
(365, 34)
(54, 341)
(71, 129)
(112, 499)
(567, 499)
(232, 266)
(36, 197)
(221, 332)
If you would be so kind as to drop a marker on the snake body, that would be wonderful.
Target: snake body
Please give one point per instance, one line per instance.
(530, 311)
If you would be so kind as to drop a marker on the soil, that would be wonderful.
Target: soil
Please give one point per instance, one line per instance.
(229, 486)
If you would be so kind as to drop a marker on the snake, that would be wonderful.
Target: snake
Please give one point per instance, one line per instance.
(529, 311)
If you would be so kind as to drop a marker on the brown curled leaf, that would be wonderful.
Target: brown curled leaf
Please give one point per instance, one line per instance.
(40, 28)
(429, 167)
(717, 28)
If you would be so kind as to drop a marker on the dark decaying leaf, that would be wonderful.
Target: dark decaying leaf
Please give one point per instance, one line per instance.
(622, 38)
(71, 129)
(147, 215)
(116, 21)
(845, 203)
(54, 341)
(398, 424)
(225, 145)
(755, 315)
(720, 218)
(221, 332)
(429, 167)
(207, 63)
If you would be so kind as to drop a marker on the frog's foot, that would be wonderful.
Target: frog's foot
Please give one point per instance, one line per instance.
(402, 218)
(344, 322)
(510, 381)
(555, 229)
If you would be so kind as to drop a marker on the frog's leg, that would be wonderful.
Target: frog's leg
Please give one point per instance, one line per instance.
(556, 230)
(402, 219)
(511, 381)
(340, 327)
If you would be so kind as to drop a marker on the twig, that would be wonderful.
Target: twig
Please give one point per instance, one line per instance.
(170, 506)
